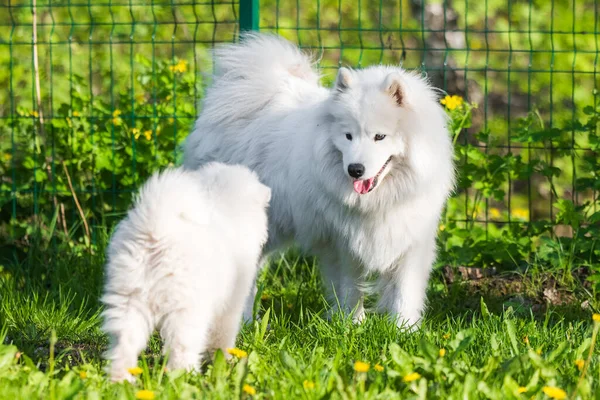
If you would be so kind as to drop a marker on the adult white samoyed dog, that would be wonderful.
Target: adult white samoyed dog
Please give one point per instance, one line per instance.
(359, 173)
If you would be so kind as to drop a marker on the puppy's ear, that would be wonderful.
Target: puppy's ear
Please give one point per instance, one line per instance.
(393, 86)
(343, 79)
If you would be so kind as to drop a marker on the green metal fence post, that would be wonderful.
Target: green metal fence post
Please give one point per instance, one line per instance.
(248, 15)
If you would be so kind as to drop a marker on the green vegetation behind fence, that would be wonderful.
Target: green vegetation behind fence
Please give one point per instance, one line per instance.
(119, 83)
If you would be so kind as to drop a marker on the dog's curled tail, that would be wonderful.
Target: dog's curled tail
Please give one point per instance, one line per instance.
(260, 70)
(263, 55)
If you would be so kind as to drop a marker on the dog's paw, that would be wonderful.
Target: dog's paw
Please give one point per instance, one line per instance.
(359, 317)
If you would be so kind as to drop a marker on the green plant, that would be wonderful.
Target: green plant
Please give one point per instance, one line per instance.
(80, 167)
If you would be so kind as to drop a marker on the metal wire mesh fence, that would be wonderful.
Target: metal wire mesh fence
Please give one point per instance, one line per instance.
(97, 95)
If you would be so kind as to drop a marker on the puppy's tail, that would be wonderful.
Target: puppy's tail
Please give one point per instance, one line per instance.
(249, 76)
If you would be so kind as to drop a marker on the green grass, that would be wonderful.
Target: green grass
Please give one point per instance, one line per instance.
(494, 343)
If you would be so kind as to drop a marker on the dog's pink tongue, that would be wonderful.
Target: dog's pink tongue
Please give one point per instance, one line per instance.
(363, 187)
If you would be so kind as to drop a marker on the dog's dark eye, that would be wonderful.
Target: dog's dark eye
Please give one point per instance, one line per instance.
(348, 136)
(379, 137)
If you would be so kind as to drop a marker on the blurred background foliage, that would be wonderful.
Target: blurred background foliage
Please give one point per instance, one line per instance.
(120, 82)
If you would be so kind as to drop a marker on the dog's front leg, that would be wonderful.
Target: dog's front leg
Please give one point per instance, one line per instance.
(403, 287)
(341, 277)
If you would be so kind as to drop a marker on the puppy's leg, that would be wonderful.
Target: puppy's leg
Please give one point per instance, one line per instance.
(226, 326)
(184, 332)
(248, 309)
(341, 276)
(403, 288)
(128, 323)
(224, 329)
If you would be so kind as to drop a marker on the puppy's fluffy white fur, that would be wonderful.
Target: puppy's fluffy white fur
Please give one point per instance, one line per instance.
(183, 261)
(266, 109)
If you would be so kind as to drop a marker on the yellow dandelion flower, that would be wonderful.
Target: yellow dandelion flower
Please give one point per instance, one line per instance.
(180, 67)
(378, 367)
(520, 213)
(526, 340)
(144, 395)
(239, 353)
(412, 377)
(135, 371)
(442, 227)
(522, 389)
(452, 102)
(76, 114)
(34, 114)
(360, 366)
(7, 156)
(579, 364)
(136, 133)
(539, 351)
(148, 134)
(308, 384)
(116, 113)
(249, 389)
(116, 121)
(171, 120)
(596, 317)
(442, 352)
(83, 374)
(554, 392)
(495, 213)
(446, 336)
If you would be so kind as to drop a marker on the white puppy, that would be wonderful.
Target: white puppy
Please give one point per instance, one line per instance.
(359, 172)
(183, 261)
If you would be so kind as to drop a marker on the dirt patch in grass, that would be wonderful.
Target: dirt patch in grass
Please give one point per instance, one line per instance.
(535, 292)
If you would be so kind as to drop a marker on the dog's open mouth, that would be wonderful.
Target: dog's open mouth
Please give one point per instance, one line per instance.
(366, 185)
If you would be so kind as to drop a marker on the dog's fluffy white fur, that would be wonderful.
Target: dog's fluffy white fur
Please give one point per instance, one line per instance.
(359, 173)
(183, 261)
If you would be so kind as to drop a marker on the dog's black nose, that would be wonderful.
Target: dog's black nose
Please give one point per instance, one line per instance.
(356, 170)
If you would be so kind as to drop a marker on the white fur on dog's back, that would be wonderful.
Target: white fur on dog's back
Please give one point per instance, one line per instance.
(173, 201)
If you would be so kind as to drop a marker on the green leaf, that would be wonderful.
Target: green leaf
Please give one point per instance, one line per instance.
(287, 360)
(485, 313)
(7, 355)
(510, 331)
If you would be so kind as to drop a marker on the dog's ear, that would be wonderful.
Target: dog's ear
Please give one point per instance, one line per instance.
(343, 79)
(393, 86)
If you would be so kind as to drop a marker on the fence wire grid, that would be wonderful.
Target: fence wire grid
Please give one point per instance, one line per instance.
(98, 95)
